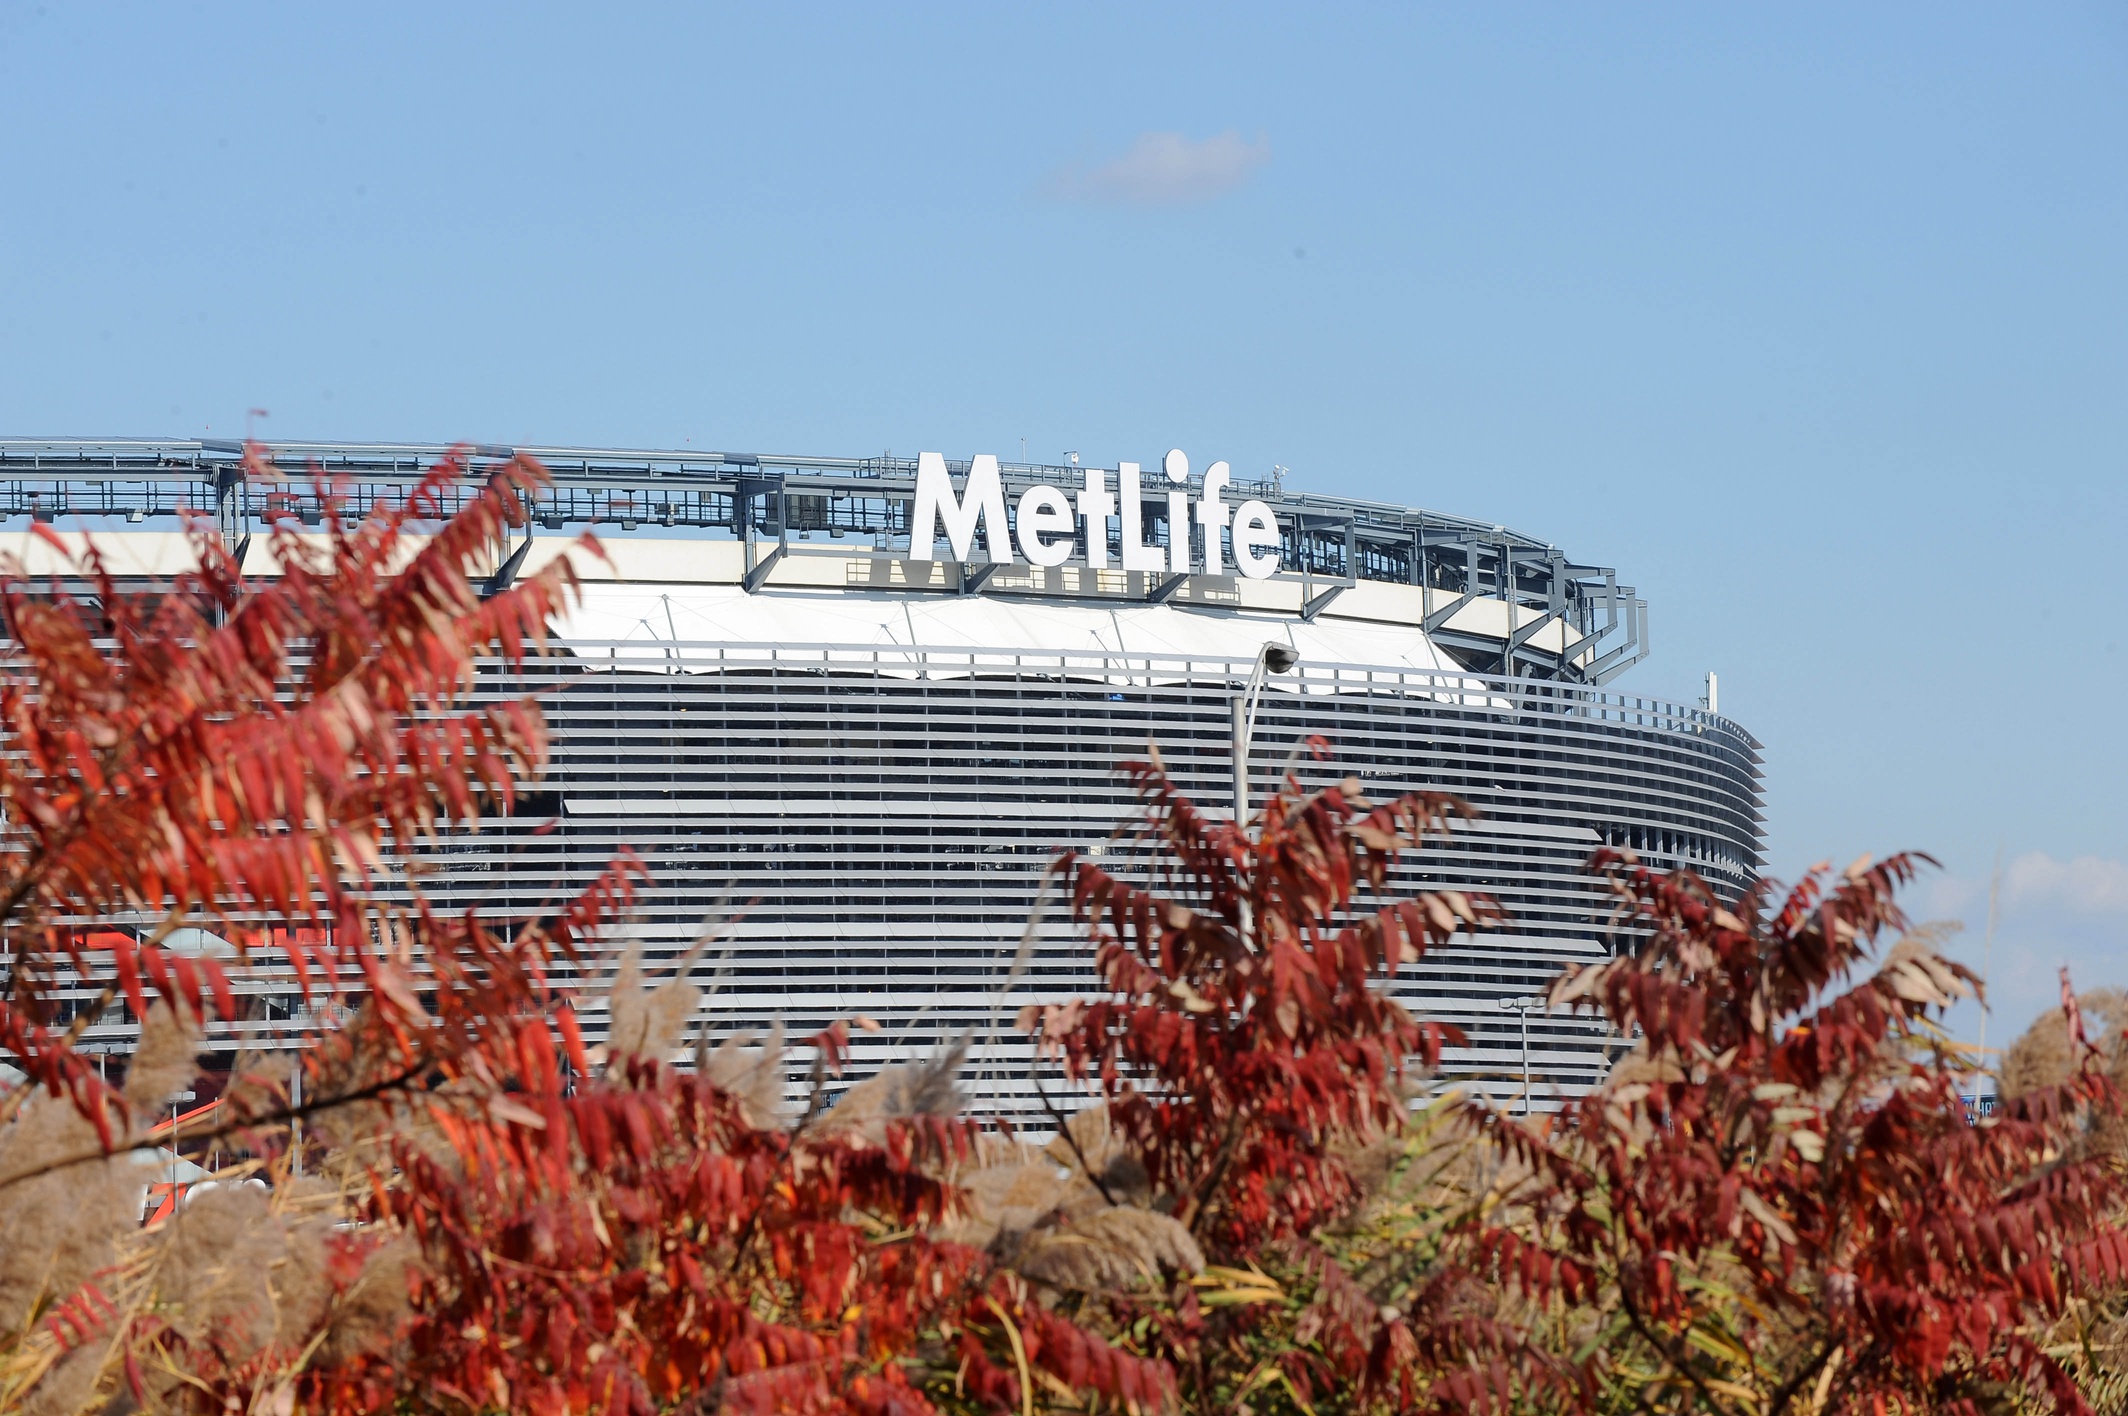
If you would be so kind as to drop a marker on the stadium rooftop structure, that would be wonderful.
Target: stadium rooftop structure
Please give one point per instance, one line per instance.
(862, 761)
(1495, 600)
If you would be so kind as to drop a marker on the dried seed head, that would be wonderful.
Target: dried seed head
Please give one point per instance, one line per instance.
(1007, 1200)
(59, 1228)
(752, 1074)
(647, 1022)
(1110, 1249)
(167, 1060)
(927, 1088)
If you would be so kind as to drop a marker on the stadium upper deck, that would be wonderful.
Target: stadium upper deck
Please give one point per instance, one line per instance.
(1492, 599)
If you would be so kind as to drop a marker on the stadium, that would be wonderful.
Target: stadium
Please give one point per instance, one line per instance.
(849, 709)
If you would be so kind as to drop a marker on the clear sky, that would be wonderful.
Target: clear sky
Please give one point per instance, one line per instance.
(1813, 320)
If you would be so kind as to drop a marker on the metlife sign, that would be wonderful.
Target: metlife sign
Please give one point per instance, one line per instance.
(1048, 519)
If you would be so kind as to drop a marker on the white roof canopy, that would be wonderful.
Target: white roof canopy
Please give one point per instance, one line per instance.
(642, 625)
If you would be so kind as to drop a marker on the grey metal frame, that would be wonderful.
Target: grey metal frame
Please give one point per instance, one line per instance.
(784, 506)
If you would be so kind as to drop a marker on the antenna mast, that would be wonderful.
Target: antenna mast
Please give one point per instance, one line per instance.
(1987, 953)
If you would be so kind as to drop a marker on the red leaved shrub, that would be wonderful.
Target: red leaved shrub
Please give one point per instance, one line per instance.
(1779, 1199)
(1776, 1203)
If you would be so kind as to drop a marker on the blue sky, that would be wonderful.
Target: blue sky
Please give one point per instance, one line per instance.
(1813, 320)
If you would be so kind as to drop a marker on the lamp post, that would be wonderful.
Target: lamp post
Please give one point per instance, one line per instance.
(1273, 658)
(1524, 1006)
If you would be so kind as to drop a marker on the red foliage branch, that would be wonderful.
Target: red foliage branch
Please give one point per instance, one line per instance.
(241, 748)
(1780, 1195)
(254, 752)
(1791, 1124)
(634, 1242)
(1247, 1045)
(1245, 1030)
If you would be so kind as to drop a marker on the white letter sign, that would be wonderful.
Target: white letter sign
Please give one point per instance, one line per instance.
(983, 496)
(1136, 554)
(1254, 529)
(1045, 512)
(1212, 513)
(1047, 522)
(1096, 506)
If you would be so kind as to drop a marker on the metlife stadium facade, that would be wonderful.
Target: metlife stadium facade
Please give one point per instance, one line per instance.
(848, 710)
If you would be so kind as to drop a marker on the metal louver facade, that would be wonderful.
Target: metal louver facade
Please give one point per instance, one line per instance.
(872, 839)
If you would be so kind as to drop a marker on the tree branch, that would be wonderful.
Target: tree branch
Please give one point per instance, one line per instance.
(374, 1090)
(1785, 1392)
(1669, 1354)
(1064, 1130)
(1200, 1198)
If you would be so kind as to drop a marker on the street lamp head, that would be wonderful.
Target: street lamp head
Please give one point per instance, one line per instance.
(1279, 658)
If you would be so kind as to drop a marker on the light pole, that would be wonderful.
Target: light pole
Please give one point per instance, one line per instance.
(1273, 658)
(1524, 1006)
